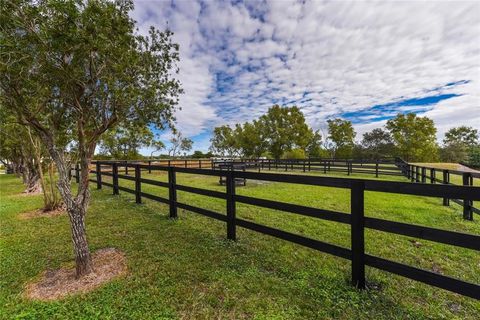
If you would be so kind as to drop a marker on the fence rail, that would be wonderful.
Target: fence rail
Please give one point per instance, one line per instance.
(387, 166)
(422, 174)
(356, 219)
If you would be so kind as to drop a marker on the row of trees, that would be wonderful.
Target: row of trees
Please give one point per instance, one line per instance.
(72, 71)
(283, 133)
(280, 130)
(124, 143)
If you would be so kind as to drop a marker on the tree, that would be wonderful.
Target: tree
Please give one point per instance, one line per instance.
(178, 143)
(474, 157)
(454, 152)
(342, 135)
(72, 70)
(157, 145)
(284, 128)
(314, 146)
(225, 142)
(24, 153)
(250, 140)
(294, 154)
(18, 151)
(467, 136)
(414, 137)
(377, 143)
(197, 154)
(459, 143)
(124, 142)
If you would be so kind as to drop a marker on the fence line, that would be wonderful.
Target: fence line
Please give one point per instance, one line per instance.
(419, 174)
(356, 219)
(379, 167)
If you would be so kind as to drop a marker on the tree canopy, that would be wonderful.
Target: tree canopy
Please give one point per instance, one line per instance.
(275, 133)
(377, 143)
(124, 142)
(414, 137)
(72, 70)
(342, 136)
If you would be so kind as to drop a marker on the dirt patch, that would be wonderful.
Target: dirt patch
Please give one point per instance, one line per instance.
(41, 213)
(108, 263)
(27, 194)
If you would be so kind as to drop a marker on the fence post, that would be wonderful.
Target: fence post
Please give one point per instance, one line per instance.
(231, 230)
(412, 175)
(149, 166)
(432, 175)
(304, 165)
(115, 178)
(126, 167)
(172, 192)
(199, 164)
(446, 180)
(357, 234)
(324, 166)
(424, 175)
(467, 204)
(186, 163)
(417, 174)
(77, 173)
(138, 184)
(376, 169)
(99, 175)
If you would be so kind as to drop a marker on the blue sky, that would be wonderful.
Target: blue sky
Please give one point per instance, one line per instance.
(363, 61)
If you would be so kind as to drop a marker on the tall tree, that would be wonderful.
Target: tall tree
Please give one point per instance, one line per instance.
(314, 146)
(459, 143)
(285, 128)
(25, 153)
(19, 151)
(157, 145)
(179, 143)
(377, 143)
(72, 70)
(225, 142)
(250, 139)
(342, 135)
(414, 137)
(124, 141)
(467, 136)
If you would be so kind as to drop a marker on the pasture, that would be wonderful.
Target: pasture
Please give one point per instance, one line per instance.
(185, 268)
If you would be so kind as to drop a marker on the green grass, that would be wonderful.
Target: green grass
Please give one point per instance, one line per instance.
(186, 269)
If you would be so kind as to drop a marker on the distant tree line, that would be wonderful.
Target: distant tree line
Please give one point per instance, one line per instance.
(282, 132)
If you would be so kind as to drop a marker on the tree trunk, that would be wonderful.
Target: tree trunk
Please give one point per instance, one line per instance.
(76, 205)
(76, 209)
(83, 261)
(32, 181)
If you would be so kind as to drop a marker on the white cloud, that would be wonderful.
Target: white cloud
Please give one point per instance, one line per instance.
(326, 57)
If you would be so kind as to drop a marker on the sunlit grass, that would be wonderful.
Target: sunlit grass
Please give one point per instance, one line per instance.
(186, 269)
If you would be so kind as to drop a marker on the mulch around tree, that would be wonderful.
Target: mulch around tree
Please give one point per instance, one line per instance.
(108, 263)
(39, 213)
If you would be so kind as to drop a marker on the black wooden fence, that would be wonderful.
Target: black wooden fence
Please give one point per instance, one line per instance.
(421, 174)
(386, 166)
(356, 219)
(375, 167)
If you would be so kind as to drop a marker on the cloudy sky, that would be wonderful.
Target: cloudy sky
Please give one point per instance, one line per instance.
(362, 61)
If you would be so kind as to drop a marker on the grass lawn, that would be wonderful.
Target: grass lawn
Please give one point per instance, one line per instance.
(186, 269)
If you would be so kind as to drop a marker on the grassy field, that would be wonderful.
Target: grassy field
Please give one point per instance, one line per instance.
(186, 269)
